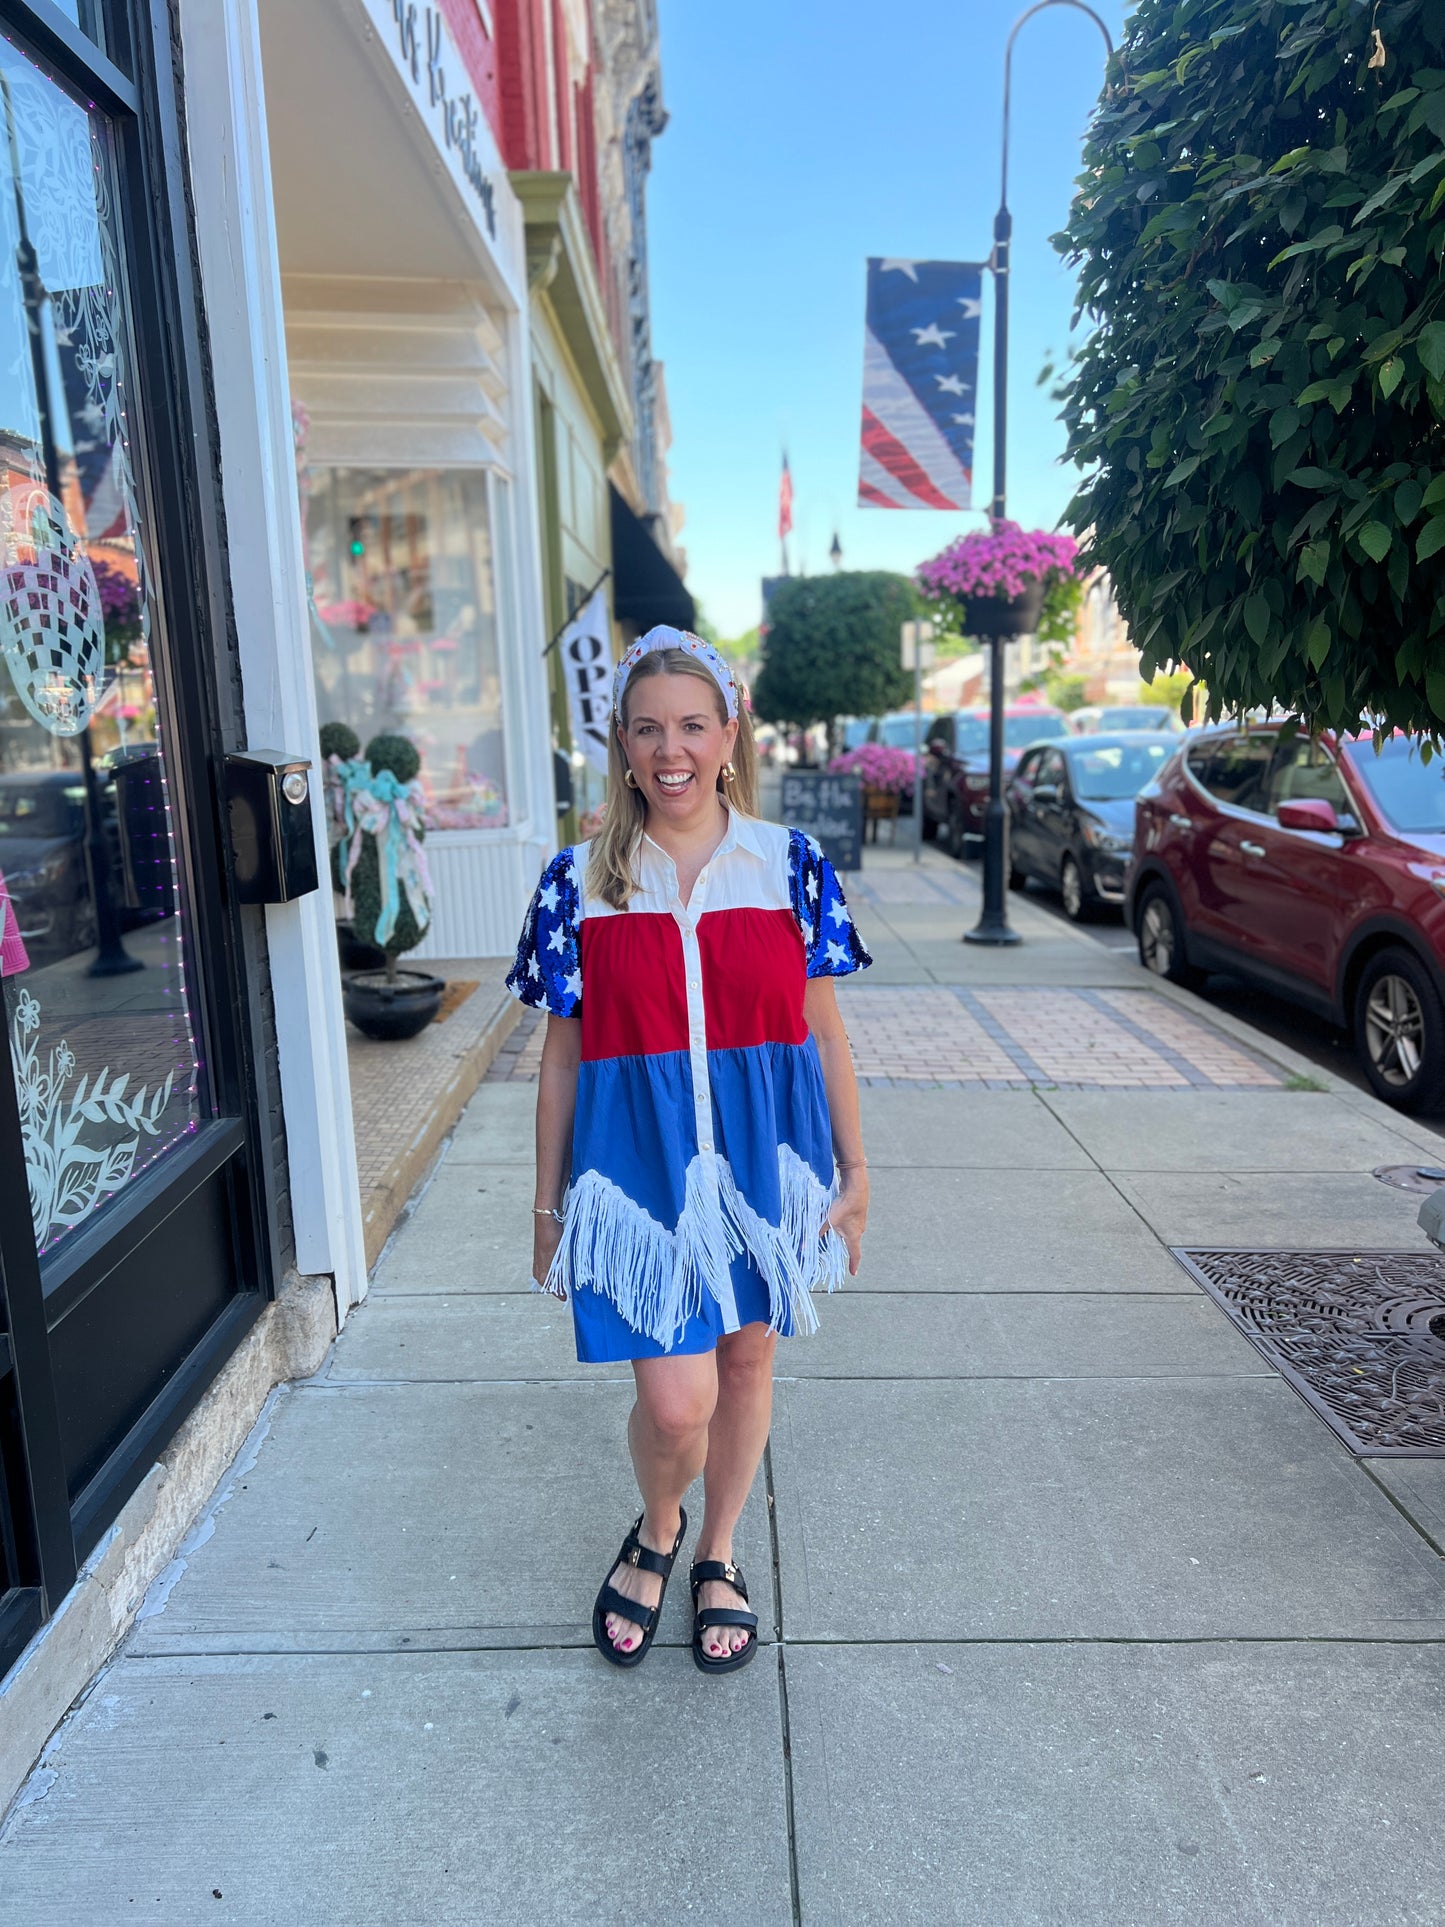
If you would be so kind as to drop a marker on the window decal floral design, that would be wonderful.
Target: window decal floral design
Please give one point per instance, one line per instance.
(68, 1177)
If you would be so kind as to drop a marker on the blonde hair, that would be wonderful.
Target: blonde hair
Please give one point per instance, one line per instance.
(609, 871)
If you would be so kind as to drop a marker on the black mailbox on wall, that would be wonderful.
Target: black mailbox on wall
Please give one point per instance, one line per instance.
(273, 846)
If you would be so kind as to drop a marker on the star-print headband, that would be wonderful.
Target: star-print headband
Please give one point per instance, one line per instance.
(664, 638)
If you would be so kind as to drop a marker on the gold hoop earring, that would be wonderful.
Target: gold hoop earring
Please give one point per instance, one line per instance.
(629, 779)
(729, 774)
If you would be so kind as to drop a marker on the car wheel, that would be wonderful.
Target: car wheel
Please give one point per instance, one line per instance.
(1160, 931)
(1400, 1032)
(1071, 888)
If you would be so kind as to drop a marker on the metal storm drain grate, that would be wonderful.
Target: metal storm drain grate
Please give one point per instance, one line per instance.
(1359, 1335)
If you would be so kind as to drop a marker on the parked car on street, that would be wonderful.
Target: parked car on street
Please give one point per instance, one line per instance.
(955, 768)
(1071, 814)
(42, 855)
(1110, 719)
(1315, 869)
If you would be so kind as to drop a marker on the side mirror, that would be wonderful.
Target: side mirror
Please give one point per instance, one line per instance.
(1311, 813)
(1046, 793)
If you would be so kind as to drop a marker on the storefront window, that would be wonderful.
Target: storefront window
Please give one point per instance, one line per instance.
(405, 619)
(92, 965)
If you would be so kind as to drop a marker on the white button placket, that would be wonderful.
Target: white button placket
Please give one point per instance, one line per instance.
(686, 917)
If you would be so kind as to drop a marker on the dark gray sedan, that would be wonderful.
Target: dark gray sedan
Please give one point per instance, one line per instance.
(1071, 814)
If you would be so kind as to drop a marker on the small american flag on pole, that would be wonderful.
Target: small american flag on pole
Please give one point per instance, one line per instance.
(920, 384)
(785, 503)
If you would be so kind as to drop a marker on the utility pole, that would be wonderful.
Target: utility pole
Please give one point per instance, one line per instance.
(993, 926)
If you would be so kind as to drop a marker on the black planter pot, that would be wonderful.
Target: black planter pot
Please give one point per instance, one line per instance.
(388, 1011)
(989, 616)
(355, 953)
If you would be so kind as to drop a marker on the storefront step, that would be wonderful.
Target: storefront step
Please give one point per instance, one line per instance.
(407, 1095)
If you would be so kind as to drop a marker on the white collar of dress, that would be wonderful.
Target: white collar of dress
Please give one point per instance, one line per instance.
(743, 833)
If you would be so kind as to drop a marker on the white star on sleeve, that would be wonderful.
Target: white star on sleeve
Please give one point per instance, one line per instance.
(534, 969)
(932, 336)
(814, 845)
(839, 913)
(572, 876)
(951, 384)
(549, 897)
(558, 939)
(837, 954)
(574, 984)
(811, 887)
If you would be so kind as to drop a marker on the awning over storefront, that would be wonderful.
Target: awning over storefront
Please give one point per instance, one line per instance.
(646, 588)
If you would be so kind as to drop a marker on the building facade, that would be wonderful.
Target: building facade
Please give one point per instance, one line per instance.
(580, 105)
(326, 391)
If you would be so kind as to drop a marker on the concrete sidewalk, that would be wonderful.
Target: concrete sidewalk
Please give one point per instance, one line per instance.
(1075, 1612)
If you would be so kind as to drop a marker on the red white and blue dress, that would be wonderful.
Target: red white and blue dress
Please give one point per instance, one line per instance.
(702, 1152)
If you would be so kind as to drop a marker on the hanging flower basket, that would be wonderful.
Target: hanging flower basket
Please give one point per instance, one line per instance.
(988, 616)
(996, 581)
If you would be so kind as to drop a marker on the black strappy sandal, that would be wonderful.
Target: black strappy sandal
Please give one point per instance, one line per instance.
(703, 1621)
(609, 1600)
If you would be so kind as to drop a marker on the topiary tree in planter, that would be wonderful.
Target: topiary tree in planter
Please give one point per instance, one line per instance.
(388, 888)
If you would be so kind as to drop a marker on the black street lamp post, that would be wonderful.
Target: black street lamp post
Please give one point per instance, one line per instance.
(993, 925)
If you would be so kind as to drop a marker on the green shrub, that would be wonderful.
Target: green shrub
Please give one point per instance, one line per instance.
(832, 647)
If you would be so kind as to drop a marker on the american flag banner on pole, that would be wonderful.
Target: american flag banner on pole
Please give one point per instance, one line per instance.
(920, 384)
(785, 502)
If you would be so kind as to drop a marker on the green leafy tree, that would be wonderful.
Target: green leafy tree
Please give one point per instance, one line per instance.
(1260, 231)
(832, 647)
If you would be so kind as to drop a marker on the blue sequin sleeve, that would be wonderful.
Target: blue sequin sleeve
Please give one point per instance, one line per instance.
(548, 970)
(830, 936)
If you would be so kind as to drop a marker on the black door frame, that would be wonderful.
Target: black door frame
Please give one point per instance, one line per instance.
(45, 1529)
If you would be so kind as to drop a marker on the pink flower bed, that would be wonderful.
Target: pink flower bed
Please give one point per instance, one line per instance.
(880, 767)
(1003, 561)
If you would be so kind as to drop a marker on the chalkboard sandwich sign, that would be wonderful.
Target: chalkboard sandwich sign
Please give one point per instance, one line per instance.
(829, 808)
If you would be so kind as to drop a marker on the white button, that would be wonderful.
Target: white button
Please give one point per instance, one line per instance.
(692, 983)
(706, 1144)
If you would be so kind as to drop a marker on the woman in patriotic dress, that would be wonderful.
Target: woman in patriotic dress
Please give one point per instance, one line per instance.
(700, 1163)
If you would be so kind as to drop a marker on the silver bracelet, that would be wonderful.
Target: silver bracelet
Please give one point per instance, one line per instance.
(548, 1211)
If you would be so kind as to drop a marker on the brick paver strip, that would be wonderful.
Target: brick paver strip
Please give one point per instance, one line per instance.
(1210, 1050)
(1005, 1040)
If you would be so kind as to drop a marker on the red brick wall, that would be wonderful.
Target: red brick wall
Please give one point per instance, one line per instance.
(480, 55)
(522, 82)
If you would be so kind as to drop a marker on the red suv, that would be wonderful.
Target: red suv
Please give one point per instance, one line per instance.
(1317, 869)
(955, 764)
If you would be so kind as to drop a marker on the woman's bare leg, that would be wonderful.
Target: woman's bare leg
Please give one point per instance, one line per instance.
(735, 1442)
(668, 1437)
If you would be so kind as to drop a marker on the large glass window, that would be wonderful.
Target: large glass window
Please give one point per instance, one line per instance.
(405, 619)
(92, 958)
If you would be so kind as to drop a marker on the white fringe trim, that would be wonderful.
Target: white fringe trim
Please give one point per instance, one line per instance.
(656, 1277)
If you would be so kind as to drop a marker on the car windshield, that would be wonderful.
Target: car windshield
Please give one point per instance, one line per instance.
(898, 731)
(1019, 730)
(856, 732)
(1410, 791)
(1120, 769)
(970, 735)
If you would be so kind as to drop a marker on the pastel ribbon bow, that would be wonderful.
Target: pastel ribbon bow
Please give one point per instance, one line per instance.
(378, 805)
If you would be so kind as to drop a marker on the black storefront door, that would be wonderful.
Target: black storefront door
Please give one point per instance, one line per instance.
(132, 1245)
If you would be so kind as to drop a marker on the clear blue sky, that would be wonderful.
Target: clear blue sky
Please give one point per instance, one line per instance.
(804, 136)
